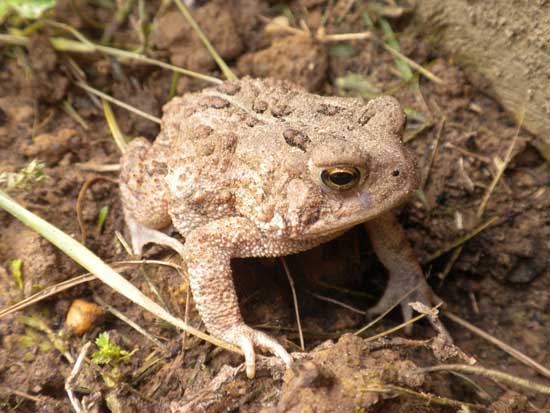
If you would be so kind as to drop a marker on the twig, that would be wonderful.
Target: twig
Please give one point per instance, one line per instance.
(295, 300)
(500, 344)
(71, 380)
(493, 374)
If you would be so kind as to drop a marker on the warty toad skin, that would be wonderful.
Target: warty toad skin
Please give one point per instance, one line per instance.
(257, 168)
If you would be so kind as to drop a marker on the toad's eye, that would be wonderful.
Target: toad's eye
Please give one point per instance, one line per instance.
(340, 178)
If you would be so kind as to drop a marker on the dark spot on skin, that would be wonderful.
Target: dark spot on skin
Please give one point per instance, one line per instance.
(395, 173)
(187, 112)
(155, 168)
(366, 116)
(296, 138)
(229, 142)
(229, 88)
(203, 131)
(215, 102)
(3, 118)
(328, 110)
(251, 121)
(310, 217)
(279, 110)
(259, 106)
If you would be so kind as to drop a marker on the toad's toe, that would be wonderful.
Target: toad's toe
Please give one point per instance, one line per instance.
(247, 338)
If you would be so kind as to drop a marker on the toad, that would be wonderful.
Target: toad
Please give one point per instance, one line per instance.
(261, 168)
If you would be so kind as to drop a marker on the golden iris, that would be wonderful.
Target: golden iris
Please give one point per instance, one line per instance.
(341, 178)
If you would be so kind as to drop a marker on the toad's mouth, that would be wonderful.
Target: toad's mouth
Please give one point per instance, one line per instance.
(365, 208)
(330, 228)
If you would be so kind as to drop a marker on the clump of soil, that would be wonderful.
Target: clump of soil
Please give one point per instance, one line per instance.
(499, 280)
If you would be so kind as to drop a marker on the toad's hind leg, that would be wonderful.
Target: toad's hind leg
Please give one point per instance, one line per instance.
(145, 195)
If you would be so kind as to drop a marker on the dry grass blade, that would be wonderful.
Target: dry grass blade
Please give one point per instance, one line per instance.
(83, 45)
(86, 46)
(503, 346)
(39, 324)
(385, 313)
(131, 323)
(68, 108)
(80, 202)
(229, 75)
(117, 102)
(336, 302)
(46, 292)
(420, 69)
(461, 240)
(95, 167)
(493, 374)
(113, 126)
(14, 39)
(23, 395)
(65, 285)
(400, 326)
(104, 272)
(426, 172)
(429, 398)
(501, 167)
(295, 301)
(70, 382)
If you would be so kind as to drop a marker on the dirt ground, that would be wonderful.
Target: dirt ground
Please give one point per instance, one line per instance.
(499, 280)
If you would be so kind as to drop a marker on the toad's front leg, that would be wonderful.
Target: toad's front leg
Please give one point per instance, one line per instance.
(405, 275)
(208, 252)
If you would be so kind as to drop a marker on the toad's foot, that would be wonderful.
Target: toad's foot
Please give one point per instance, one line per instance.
(247, 338)
(405, 293)
(142, 235)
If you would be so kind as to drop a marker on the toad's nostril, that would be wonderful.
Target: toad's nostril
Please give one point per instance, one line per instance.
(395, 172)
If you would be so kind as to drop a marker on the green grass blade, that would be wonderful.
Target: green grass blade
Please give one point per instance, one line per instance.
(100, 269)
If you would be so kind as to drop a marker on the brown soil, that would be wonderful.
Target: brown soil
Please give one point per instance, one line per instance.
(499, 282)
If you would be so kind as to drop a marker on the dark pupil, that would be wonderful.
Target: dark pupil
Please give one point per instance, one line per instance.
(341, 178)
